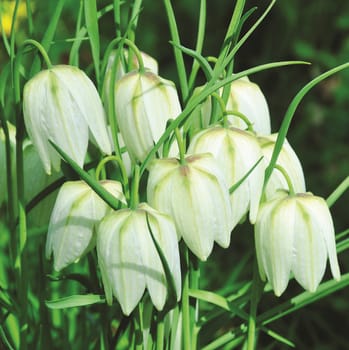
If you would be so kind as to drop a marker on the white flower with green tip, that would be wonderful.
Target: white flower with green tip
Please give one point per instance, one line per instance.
(61, 104)
(77, 211)
(129, 261)
(144, 102)
(295, 236)
(196, 196)
(236, 152)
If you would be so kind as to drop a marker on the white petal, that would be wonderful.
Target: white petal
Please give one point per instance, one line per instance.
(274, 231)
(70, 228)
(310, 252)
(120, 256)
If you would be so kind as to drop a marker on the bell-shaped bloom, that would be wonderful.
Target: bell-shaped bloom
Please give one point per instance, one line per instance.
(129, 260)
(77, 211)
(144, 102)
(237, 152)
(196, 196)
(61, 104)
(290, 163)
(247, 98)
(295, 236)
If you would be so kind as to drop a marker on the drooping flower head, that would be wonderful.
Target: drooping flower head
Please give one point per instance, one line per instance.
(144, 102)
(128, 258)
(61, 104)
(196, 196)
(237, 152)
(77, 211)
(295, 235)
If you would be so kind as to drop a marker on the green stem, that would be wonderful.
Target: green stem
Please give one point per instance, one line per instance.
(186, 321)
(233, 26)
(287, 178)
(21, 263)
(194, 309)
(138, 326)
(123, 172)
(117, 18)
(135, 188)
(242, 117)
(160, 331)
(199, 43)
(257, 288)
(181, 146)
(337, 193)
(41, 49)
(182, 75)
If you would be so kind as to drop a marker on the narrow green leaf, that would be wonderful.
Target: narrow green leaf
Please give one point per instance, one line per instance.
(338, 192)
(205, 92)
(99, 189)
(49, 34)
(210, 297)
(302, 300)
(91, 20)
(75, 301)
(290, 113)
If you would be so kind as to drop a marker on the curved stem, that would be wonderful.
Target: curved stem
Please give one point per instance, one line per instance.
(287, 178)
(121, 165)
(242, 117)
(41, 49)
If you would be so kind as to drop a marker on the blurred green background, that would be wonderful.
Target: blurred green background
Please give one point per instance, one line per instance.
(316, 31)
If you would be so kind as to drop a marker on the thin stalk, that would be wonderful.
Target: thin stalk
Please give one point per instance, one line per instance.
(286, 177)
(117, 18)
(257, 288)
(199, 44)
(186, 321)
(135, 188)
(138, 327)
(21, 264)
(182, 75)
(181, 146)
(233, 26)
(160, 331)
(194, 305)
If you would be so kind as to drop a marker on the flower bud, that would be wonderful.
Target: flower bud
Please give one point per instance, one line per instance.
(72, 225)
(61, 104)
(288, 160)
(128, 258)
(295, 235)
(236, 152)
(196, 196)
(247, 98)
(144, 102)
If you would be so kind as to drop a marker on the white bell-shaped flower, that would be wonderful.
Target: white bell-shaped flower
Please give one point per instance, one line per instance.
(295, 235)
(61, 104)
(144, 102)
(78, 209)
(290, 163)
(236, 152)
(247, 98)
(196, 196)
(128, 258)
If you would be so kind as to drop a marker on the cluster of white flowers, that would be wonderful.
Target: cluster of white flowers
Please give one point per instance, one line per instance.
(199, 197)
